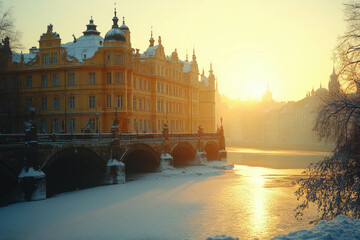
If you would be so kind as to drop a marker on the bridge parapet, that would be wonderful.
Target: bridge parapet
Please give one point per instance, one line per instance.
(105, 151)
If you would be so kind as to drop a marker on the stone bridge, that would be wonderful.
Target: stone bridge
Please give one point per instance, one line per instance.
(39, 165)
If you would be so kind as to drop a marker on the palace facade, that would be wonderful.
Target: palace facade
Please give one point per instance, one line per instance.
(86, 83)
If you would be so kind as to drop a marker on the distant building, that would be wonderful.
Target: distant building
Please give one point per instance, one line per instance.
(84, 83)
(293, 122)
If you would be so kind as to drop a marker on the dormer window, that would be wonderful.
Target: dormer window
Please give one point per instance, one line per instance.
(54, 58)
(45, 58)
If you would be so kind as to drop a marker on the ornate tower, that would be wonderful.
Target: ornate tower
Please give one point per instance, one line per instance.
(334, 85)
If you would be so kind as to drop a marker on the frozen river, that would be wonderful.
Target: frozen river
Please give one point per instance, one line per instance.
(253, 200)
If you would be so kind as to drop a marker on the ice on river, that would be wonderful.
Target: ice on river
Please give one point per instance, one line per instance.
(198, 202)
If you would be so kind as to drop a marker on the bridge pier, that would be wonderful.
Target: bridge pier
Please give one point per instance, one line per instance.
(200, 158)
(166, 161)
(31, 185)
(115, 172)
(222, 155)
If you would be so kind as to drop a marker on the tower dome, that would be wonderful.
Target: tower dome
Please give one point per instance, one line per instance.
(115, 34)
(123, 27)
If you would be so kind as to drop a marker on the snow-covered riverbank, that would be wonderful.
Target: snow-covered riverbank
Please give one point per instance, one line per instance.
(186, 203)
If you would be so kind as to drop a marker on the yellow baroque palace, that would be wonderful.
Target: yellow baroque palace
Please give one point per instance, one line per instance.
(82, 85)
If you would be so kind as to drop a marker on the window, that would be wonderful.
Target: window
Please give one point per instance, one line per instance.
(43, 103)
(56, 103)
(119, 77)
(117, 59)
(4, 83)
(134, 103)
(3, 106)
(119, 101)
(71, 102)
(28, 103)
(29, 81)
(135, 127)
(43, 126)
(108, 78)
(140, 124)
(14, 82)
(56, 125)
(56, 80)
(72, 124)
(14, 105)
(45, 58)
(71, 79)
(140, 104)
(91, 78)
(128, 101)
(91, 101)
(148, 106)
(134, 83)
(140, 83)
(108, 101)
(44, 80)
(54, 58)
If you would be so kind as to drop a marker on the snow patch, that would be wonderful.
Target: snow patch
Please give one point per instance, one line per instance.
(31, 172)
(221, 237)
(213, 168)
(114, 162)
(341, 228)
(28, 57)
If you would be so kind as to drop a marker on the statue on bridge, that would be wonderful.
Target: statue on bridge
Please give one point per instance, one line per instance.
(115, 126)
(166, 131)
(30, 127)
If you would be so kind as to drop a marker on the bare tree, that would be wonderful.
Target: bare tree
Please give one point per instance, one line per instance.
(7, 27)
(334, 183)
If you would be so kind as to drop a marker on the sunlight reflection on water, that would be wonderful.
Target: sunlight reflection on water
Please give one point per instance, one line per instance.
(253, 201)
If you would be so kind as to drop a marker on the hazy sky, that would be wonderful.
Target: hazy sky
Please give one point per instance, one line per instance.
(287, 43)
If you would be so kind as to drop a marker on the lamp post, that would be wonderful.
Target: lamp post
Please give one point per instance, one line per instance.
(97, 122)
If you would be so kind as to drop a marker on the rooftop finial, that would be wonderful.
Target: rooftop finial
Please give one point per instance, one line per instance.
(186, 55)
(115, 19)
(193, 56)
(211, 71)
(123, 20)
(151, 38)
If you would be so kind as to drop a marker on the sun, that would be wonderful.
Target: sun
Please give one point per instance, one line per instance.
(247, 75)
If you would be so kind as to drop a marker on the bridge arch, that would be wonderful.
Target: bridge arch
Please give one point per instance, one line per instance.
(8, 180)
(183, 154)
(73, 168)
(140, 158)
(212, 151)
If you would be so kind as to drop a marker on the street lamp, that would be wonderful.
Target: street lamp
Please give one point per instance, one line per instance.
(97, 122)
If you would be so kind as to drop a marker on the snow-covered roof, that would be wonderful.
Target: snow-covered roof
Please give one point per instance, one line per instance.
(84, 48)
(150, 52)
(205, 80)
(28, 57)
(187, 66)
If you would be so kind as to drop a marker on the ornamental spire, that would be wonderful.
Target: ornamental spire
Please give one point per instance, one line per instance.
(151, 38)
(115, 19)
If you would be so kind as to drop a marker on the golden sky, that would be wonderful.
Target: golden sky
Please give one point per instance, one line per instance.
(287, 43)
